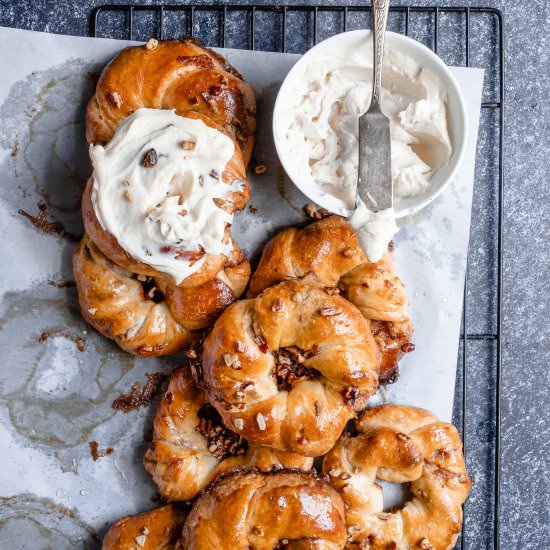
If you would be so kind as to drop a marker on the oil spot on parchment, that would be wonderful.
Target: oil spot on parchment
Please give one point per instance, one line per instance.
(34, 523)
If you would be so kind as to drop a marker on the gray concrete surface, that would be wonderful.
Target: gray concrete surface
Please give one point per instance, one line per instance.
(525, 485)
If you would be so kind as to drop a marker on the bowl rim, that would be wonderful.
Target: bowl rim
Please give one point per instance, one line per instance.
(393, 40)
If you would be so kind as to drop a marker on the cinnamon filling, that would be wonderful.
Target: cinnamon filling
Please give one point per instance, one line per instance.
(290, 368)
(150, 290)
(221, 442)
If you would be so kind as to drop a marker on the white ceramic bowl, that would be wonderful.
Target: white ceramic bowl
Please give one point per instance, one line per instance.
(456, 114)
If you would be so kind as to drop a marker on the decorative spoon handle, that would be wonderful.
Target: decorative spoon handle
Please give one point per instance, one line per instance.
(380, 10)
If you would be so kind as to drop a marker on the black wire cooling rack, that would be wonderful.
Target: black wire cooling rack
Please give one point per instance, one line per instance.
(462, 36)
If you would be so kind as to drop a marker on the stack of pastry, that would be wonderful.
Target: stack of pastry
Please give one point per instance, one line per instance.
(275, 381)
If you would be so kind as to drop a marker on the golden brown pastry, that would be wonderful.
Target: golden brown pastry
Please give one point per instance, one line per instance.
(401, 444)
(329, 248)
(144, 315)
(266, 511)
(191, 446)
(144, 309)
(172, 74)
(290, 367)
(158, 529)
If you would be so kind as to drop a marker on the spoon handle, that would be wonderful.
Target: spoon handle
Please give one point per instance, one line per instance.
(380, 10)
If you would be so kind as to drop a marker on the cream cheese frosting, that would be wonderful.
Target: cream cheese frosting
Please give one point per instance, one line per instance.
(156, 186)
(319, 130)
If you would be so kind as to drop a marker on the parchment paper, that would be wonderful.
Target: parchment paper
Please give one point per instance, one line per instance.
(58, 377)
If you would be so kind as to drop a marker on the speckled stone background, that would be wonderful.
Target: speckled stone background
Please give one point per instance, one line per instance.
(525, 332)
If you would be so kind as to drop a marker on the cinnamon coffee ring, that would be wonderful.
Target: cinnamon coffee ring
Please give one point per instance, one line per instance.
(266, 511)
(191, 446)
(329, 248)
(150, 316)
(290, 367)
(156, 529)
(401, 444)
(172, 74)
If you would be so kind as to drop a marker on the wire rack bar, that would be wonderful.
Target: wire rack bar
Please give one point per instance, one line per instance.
(100, 16)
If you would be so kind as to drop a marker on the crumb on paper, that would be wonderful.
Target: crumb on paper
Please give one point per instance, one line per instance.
(138, 396)
(97, 453)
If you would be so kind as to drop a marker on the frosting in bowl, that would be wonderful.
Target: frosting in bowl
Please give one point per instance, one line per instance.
(317, 129)
(157, 188)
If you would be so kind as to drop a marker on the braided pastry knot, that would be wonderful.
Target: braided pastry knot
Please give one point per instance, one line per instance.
(191, 446)
(329, 248)
(172, 74)
(401, 444)
(158, 529)
(146, 310)
(266, 511)
(289, 368)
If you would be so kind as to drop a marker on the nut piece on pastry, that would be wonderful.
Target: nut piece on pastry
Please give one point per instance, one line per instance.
(290, 367)
(401, 444)
(162, 218)
(176, 74)
(266, 511)
(329, 248)
(158, 529)
(191, 446)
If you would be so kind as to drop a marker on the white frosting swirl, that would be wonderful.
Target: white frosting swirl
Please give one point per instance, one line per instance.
(163, 213)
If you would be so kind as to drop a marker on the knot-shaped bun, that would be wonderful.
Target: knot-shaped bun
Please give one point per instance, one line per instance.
(191, 446)
(172, 74)
(290, 367)
(157, 529)
(266, 511)
(401, 444)
(145, 309)
(146, 315)
(329, 248)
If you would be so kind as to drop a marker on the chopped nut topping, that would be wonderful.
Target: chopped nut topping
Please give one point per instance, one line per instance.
(262, 344)
(92, 310)
(238, 423)
(384, 516)
(115, 99)
(127, 196)
(232, 361)
(351, 395)
(141, 540)
(220, 441)
(145, 530)
(348, 252)
(402, 437)
(318, 407)
(335, 473)
(183, 212)
(187, 145)
(191, 353)
(260, 169)
(257, 530)
(151, 293)
(425, 544)
(239, 347)
(150, 159)
(330, 311)
(408, 347)
(289, 366)
(278, 305)
(261, 421)
(345, 476)
(298, 298)
(152, 44)
(315, 213)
